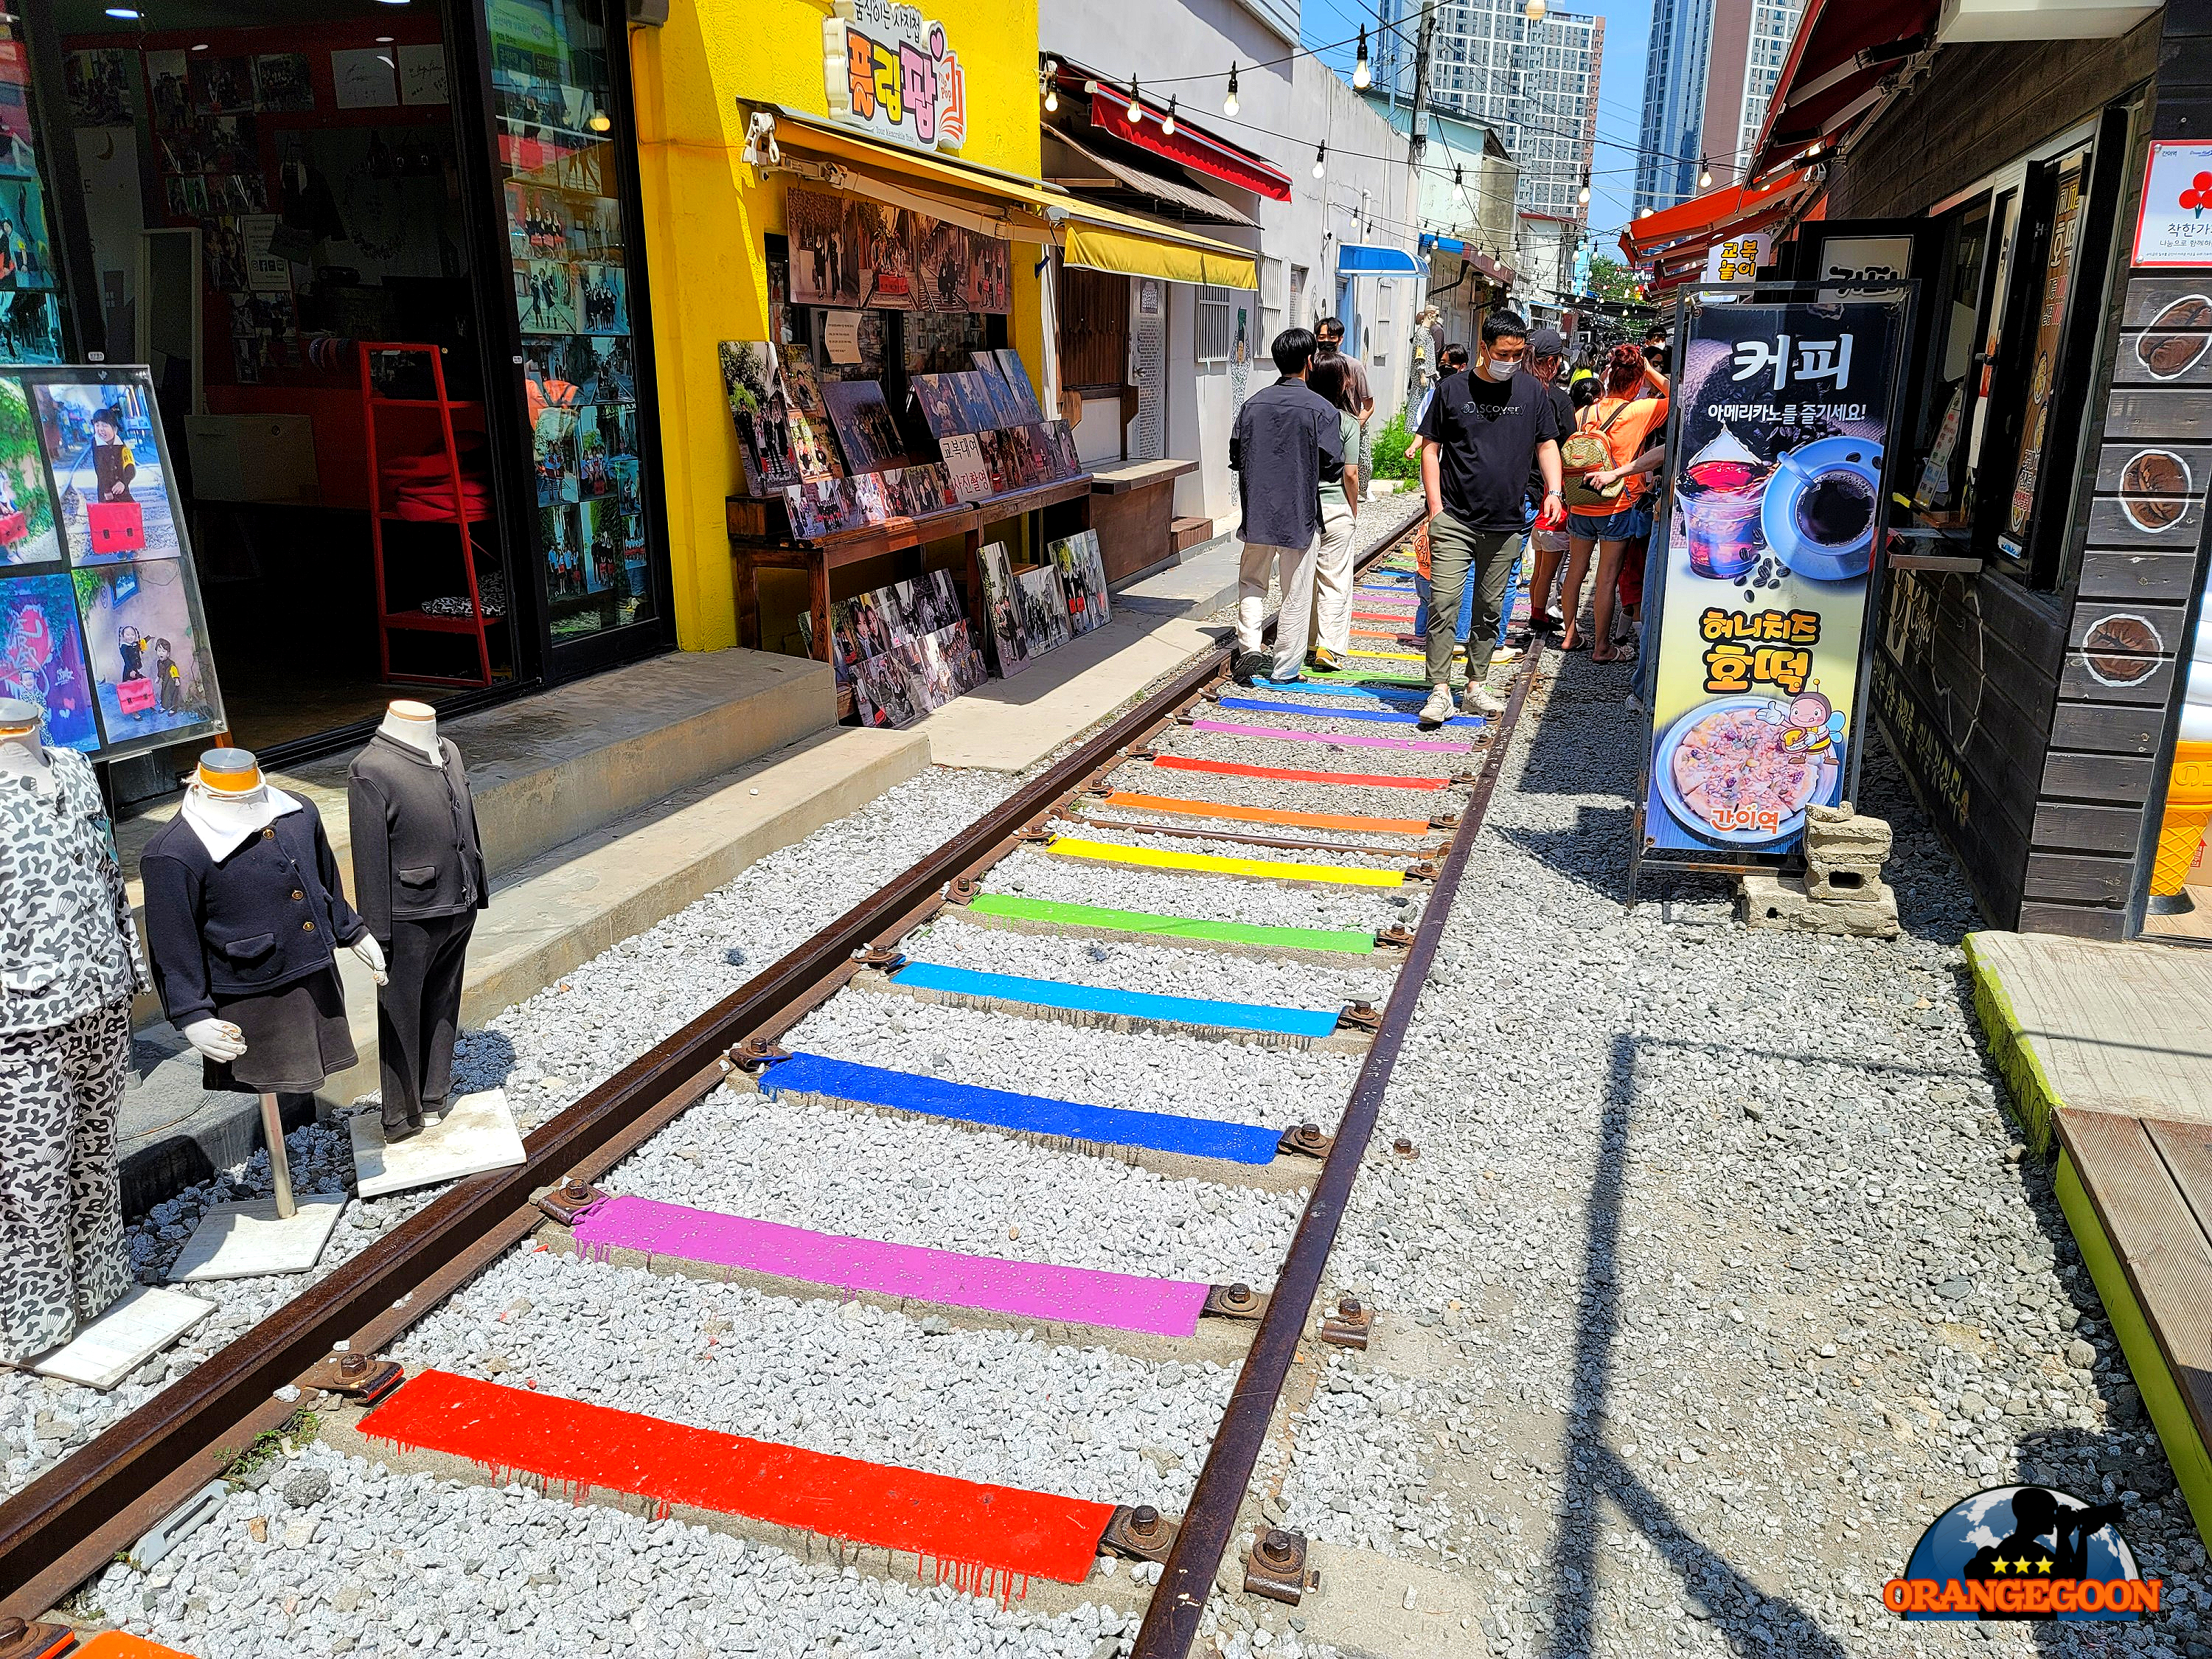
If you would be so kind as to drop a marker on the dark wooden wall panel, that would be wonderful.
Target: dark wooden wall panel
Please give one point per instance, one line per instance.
(1979, 107)
(2068, 879)
(2081, 921)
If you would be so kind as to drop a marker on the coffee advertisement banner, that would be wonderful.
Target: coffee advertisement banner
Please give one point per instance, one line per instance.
(1783, 408)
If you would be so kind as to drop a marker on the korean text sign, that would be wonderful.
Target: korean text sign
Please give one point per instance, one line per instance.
(2173, 225)
(1783, 408)
(888, 69)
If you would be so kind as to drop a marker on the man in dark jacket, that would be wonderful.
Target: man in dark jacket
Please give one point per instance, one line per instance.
(1284, 445)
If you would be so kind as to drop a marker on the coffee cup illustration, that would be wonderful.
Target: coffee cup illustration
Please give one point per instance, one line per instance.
(1821, 506)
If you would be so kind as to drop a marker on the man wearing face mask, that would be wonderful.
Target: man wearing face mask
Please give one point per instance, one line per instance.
(1483, 432)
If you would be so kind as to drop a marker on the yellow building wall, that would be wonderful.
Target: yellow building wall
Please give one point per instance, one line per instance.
(706, 217)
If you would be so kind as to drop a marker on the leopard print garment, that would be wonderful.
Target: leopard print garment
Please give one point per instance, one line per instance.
(67, 944)
(63, 1259)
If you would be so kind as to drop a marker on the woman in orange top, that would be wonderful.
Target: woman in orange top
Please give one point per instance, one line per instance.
(1631, 415)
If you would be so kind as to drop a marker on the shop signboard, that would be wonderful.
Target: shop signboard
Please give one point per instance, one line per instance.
(2173, 224)
(1738, 258)
(887, 68)
(1776, 504)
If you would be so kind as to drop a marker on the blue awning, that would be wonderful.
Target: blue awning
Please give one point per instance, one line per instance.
(1441, 243)
(1366, 259)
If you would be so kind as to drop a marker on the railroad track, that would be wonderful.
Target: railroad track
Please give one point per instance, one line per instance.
(1161, 847)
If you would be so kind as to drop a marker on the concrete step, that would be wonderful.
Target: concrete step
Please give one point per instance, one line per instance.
(1200, 584)
(550, 916)
(1186, 533)
(548, 768)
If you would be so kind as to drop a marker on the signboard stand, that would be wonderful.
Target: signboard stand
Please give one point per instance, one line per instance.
(1762, 569)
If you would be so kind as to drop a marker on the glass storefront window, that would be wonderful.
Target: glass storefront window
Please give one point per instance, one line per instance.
(30, 270)
(556, 126)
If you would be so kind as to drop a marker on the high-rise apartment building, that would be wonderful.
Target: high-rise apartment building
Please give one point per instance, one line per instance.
(1708, 78)
(1534, 84)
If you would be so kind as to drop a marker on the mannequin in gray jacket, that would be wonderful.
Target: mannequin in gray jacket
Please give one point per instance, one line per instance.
(418, 872)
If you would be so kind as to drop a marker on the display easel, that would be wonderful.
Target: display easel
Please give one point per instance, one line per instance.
(475, 624)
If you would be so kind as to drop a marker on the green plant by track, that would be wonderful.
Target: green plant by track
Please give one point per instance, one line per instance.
(268, 1445)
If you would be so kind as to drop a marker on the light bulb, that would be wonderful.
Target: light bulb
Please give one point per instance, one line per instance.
(124, 14)
(1136, 106)
(1320, 161)
(1051, 97)
(1534, 11)
(1646, 214)
(1089, 87)
(1167, 127)
(1705, 175)
(1361, 76)
(1585, 196)
(600, 121)
(1228, 103)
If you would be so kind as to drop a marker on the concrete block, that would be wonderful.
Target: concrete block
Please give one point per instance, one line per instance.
(1781, 903)
(130, 1333)
(1845, 882)
(1839, 834)
(247, 1241)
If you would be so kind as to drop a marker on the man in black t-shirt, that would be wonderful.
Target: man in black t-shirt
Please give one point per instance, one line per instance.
(1484, 430)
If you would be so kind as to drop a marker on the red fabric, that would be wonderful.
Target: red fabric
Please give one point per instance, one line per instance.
(1629, 586)
(985, 1535)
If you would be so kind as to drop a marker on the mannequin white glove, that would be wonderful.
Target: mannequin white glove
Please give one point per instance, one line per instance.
(218, 1039)
(371, 954)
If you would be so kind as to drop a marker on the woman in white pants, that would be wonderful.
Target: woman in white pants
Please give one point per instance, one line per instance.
(1340, 511)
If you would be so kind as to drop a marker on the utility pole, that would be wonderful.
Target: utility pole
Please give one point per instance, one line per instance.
(1417, 134)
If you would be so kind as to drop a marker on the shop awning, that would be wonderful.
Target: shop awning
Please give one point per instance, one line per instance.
(1098, 238)
(1189, 198)
(1188, 145)
(1020, 210)
(1500, 273)
(1374, 259)
(1672, 242)
(1832, 79)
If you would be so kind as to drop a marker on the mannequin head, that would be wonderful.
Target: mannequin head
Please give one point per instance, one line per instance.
(407, 709)
(228, 774)
(19, 721)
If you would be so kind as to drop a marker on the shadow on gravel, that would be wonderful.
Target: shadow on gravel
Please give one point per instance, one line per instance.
(1594, 1472)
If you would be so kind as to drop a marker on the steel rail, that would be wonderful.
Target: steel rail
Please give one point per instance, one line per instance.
(1172, 1621)
(67, 1524)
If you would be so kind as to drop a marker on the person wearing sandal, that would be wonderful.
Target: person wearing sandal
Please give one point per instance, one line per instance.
(1608, 485)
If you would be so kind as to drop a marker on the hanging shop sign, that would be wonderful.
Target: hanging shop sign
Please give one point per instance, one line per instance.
(1776, 505)
(1738, 258)
(100, 622)
(2173, 225)
(887, 68)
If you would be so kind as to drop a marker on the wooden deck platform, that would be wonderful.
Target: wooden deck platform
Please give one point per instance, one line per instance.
(2107, 1049)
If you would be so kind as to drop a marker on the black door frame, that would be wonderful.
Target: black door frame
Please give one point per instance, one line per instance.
(506, 402)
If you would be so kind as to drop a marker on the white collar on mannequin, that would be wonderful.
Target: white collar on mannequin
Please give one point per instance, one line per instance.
(224, 823)
(412, 725)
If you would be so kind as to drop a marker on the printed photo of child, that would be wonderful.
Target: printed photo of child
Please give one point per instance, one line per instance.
(143, 643)
(106, 467)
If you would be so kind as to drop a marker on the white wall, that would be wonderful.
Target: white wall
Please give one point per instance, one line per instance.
(1284, 112)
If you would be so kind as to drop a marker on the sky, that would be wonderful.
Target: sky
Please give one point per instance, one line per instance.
(1619, 94)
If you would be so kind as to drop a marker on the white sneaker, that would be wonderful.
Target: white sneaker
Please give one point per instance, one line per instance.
(1480, 699)
(1439, 708)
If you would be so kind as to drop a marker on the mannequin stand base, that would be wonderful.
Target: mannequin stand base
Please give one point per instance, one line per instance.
(130, 1333)
(245, 1241)
(477, 1133)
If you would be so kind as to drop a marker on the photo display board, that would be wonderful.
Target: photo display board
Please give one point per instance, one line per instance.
(100, 619)
(1776, 505)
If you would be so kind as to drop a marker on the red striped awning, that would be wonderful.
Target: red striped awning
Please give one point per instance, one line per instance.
(1189, 146)
(1671, 244)
(1831, 80)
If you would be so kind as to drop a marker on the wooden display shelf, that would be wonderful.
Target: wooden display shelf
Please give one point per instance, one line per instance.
(755, 542)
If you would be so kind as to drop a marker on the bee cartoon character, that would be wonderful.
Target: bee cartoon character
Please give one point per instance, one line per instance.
(1814, 724)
